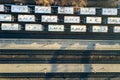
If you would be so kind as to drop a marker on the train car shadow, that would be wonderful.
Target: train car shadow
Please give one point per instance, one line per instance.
(87, 67)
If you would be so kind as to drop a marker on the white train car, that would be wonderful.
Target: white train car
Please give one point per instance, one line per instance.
(56, 28)
(100, 28)
(88, 11)
(42, 9)
(10, 26)
(33, 27)
(78, 28)
(116, 29)
(20, 9)
(71, 19)
(109, 11)
(49, 18)
(2, 8)
(26, 18)
(65, 10)
(6, 17)
(113, 20)
(94, 20)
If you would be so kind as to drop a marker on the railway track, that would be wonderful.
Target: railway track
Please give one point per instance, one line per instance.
(62, 52)
(44, 35)
(60, 56)
(61, 75)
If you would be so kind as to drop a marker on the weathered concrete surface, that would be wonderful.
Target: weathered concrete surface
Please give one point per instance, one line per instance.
(59, 44)
(21, 68)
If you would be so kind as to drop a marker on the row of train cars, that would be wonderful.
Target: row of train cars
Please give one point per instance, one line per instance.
(36, 9)
(59, 28)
